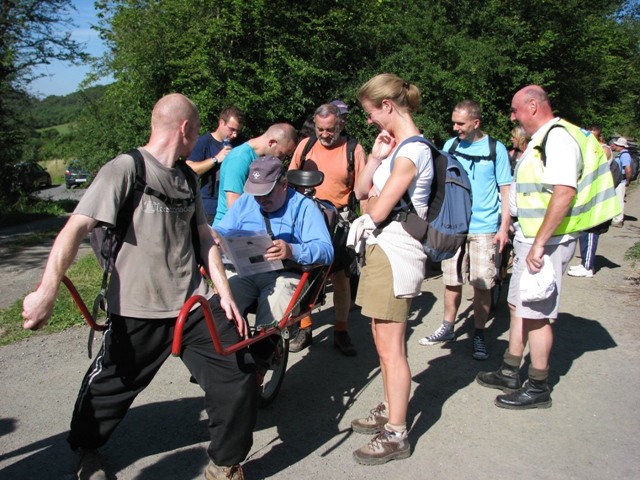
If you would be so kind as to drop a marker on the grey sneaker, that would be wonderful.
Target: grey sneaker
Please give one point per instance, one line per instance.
(479, 348)
(385, 446)
(374, 423)
(443, 334)
(214, 472)
(302, 340)
(88, 465)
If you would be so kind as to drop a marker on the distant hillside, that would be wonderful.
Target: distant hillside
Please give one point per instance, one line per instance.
(55, 110)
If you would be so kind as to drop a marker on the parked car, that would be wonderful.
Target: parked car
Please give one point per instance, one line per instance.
(76, 174)
(31, 175)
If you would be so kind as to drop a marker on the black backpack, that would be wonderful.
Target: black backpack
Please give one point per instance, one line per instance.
(106, 242)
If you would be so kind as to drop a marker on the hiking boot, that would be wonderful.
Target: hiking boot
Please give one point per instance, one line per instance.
(88, 465)
(580, 271)
(443, 334)
(506, 378)
(214, 472)
(479, 348)
(374, 423)
(303, 339)
(532, 394)
(342, 342)
(385, 446)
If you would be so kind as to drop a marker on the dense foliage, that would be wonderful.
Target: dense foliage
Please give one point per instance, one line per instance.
(279, 59)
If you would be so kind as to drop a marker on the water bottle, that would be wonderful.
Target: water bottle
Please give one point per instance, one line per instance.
(225, 143)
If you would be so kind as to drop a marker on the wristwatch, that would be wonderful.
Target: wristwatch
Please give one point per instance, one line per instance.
(215, 160)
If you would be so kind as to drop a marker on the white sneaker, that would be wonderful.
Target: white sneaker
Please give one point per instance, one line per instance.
(581, 272)
(575, 267)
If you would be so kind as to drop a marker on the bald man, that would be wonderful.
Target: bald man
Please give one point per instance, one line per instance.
(279, 140)
(550, 216)
(155, 271)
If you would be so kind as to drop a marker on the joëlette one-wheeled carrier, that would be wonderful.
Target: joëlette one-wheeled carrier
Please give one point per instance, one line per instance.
(271, 367)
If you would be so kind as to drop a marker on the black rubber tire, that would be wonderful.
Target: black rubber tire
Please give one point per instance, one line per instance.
(270, 387)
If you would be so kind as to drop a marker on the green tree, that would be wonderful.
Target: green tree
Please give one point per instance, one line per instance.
(280, 59)
(277, 60)
(30, 35)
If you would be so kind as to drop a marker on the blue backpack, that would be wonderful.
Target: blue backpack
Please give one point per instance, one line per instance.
(449, 211)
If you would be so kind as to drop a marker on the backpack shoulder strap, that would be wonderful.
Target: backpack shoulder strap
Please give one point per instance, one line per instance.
(308, 146)
(191, 181)
(352, 143)
(454, 146)
(434, 154)
(492, 148)
(125, 214)
(543, 144)
(492, 151)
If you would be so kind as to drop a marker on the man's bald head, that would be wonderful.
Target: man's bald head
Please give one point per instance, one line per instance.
(171, 111)
(531, 108)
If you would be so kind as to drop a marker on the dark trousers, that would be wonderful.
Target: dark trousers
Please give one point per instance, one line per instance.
(133, 350)
(588, 246)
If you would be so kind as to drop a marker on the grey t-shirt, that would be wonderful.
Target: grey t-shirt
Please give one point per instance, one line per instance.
(156, 269)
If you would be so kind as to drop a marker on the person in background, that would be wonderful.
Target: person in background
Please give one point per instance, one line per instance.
(395, 261)
(621, 145)
(519, 140)
(330, 154)
(210, 151)
(486, 162)
(589, 238)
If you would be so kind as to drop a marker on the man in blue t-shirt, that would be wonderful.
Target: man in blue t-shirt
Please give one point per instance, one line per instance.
(623, 159)
(486, 162)
(209, 152)
(298, 230)
(279, 140)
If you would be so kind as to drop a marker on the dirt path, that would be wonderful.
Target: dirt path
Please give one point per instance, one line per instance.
(591, 432)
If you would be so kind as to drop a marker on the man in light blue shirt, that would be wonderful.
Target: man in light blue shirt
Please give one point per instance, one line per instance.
(280, 140)
(298, 230)
(486, 162)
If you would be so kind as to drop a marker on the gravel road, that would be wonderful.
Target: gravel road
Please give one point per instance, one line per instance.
(591, 432)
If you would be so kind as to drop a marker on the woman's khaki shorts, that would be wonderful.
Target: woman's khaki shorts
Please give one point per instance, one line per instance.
(375, 291)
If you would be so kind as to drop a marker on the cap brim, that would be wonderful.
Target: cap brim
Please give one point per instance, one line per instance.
(259, 189)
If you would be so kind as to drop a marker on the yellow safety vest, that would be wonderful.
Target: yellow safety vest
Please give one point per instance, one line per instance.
(595, 201)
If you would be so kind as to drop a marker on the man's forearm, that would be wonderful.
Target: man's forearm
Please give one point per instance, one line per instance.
(505, 221)
(201, 167)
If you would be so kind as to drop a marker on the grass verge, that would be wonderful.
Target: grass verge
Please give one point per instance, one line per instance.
(86, 275)
(633, 254)
(30, 208)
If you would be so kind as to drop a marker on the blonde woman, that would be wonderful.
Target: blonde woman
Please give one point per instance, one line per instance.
(391, 253)
(520, 140)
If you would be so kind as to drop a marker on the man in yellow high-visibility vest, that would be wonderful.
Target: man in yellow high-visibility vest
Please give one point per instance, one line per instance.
(557, 178)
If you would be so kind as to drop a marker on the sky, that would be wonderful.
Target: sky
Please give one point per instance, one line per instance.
(63, 78)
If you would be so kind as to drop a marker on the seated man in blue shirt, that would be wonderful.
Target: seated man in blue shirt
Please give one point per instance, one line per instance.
(298, 230)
